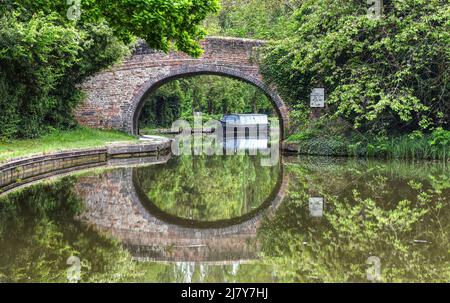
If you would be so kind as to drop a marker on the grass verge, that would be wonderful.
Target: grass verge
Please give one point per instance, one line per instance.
(79, 138)
(400, 147)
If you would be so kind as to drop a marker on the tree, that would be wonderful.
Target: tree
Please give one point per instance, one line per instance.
(385, 73)
(209, 94)
(260, 19)
(162, 23)
(44, 55)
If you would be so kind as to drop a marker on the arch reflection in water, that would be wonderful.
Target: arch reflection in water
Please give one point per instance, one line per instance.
(207, 191)
(252, 145)
(192, 209)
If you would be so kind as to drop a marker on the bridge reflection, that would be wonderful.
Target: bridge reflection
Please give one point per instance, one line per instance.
(116, 206)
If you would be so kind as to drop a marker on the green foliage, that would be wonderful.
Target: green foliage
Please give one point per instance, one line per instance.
(44, 55)
(326, 146)
(405, 147)
(164, 24)
(260, 19)
(42, 61)
(387, 73)
(34, 56)
(211, 95)
(315, 142)
(440, 138)
(301, 136)
(298, 117)
(323, 127)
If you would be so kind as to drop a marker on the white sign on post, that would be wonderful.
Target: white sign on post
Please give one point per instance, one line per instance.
(318, 97)
(316, 205)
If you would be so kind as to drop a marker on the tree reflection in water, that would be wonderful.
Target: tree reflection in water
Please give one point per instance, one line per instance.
(396, 211)
(209, 188)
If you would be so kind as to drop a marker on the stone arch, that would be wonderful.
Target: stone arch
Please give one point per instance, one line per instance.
(138, 100)
(114, 96)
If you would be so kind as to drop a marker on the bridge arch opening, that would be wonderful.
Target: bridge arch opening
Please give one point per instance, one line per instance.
(140, 98)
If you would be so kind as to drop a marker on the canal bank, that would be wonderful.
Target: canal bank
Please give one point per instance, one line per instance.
(18, 172)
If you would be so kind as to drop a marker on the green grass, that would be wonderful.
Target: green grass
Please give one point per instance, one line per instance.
(402, 147)
(405, 147)
(79, 138)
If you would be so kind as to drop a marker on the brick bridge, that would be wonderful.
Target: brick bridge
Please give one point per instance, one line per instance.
(115, 97)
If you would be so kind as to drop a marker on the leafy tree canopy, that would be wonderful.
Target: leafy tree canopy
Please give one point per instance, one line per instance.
(380, 73)
(44, 54)
(260, 19)
(162, 23)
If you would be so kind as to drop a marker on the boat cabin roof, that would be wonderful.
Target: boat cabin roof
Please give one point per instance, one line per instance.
(246, 118)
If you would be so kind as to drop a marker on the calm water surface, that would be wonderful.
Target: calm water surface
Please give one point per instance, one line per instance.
(229, 219)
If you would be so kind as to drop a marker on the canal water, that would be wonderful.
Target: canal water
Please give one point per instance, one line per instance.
(231, 219)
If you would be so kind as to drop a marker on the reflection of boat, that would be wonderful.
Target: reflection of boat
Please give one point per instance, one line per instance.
(236, 144)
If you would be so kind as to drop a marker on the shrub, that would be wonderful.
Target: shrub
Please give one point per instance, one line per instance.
(392, 71)
(324, 146)
(34, 56)
(41, 62)
(440, 138)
